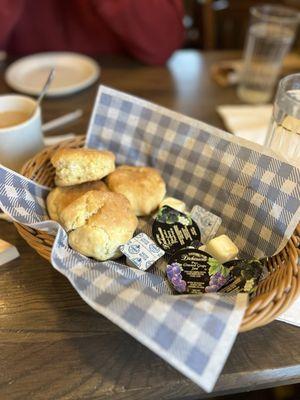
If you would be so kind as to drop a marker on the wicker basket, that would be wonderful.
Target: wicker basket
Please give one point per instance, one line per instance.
(274, 295)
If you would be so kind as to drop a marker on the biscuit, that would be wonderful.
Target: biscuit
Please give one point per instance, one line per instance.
(75, 166)
(60, 197)
(142, 186)
(98, 223)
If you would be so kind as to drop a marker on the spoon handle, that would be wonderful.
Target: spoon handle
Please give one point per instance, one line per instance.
(45, 88)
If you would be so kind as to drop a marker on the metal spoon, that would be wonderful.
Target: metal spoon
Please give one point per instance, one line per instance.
(45, 88)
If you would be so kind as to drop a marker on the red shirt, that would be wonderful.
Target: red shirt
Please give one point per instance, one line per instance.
(149, 30)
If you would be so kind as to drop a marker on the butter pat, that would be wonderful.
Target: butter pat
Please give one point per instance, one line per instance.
(207, 222)
(222, 248)
(174, 203)
(8, 252)
(141, 252)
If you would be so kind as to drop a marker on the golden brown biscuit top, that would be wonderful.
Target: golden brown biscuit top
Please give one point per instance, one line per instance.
(81, 155)
(142, 186)
(146, 178)
(111, 211)
(61, 197)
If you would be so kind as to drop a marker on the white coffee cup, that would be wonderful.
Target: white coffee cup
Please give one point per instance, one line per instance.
(20, 142)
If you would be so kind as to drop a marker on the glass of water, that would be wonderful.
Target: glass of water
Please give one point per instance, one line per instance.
(270, 36)
(284, 131)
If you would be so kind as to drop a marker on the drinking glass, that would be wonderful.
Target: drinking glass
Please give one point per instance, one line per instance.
(284, 131)
(270, 36)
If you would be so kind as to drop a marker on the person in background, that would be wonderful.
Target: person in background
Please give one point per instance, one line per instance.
(149, 30)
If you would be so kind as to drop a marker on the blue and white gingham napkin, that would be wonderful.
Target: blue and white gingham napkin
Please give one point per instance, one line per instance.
(192, 333)
(256, 195)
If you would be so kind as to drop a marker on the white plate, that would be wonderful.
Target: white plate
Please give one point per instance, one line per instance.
(74, 72)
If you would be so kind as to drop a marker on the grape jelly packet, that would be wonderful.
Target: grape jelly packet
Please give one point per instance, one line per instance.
(193, 271)
(173, 230)
(244, 276)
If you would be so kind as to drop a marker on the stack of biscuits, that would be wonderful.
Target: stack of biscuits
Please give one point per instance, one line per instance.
(101, 215)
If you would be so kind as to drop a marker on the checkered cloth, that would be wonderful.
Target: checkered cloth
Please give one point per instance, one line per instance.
(192, 333)
(257, 195)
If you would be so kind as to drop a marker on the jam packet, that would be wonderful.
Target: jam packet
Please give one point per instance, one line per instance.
(193, 271)
(244, 276)
(173, 230)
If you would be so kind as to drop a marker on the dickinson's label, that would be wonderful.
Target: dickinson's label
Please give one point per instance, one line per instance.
(194, 269)
(173, 230)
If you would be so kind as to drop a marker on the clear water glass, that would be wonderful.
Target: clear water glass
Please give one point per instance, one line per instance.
(270, 36)
(284, 131)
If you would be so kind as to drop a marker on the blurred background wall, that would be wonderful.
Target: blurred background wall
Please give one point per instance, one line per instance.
(222, 24)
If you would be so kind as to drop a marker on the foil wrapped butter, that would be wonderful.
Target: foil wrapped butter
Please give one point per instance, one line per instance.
(141, 252)
(207, 222)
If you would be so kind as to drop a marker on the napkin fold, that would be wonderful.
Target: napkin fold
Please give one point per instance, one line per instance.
(192, 333)
(247, 122)
(292, 315)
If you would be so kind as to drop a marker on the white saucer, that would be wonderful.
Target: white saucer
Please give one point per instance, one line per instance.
(74, 72)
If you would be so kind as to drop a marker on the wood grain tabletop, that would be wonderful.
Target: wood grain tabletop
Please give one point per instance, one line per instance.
(53, 346)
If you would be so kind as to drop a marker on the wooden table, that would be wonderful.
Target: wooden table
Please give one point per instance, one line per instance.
(54, 346)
